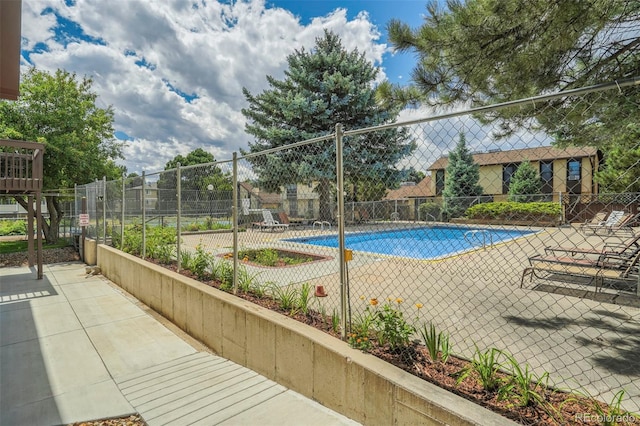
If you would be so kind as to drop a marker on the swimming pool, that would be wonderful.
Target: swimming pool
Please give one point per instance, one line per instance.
(420, 243)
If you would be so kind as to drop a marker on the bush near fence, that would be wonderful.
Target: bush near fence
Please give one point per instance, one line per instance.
(509, 212)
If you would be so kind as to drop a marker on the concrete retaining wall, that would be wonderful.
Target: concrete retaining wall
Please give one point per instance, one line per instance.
(315, 364)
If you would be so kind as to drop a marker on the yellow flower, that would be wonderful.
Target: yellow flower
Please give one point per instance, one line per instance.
(373, 302)
(389, 298)
(399, 300)
(419, 305)
(361, 297)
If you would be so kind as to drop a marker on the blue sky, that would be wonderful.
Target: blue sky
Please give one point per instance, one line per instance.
(397, 66)
(173, 70)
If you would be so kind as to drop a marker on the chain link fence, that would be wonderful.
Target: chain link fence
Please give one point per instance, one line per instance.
(462, 221)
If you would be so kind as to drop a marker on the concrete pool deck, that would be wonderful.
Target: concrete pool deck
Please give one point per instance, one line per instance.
(587, 342)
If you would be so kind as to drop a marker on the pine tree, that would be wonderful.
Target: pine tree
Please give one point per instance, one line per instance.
(525, 184)
(461, 180)
(485, 52)
(325, 86)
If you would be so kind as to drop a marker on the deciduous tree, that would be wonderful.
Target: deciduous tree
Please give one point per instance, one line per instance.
(60, 110)
(194, 181)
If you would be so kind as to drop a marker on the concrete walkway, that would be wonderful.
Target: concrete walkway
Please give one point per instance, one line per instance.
(75, 347)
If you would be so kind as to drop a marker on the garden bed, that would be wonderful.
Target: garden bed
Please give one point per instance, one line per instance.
(275, 258)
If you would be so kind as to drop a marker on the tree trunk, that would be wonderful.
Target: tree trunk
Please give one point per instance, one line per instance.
(324, 191)
(50, 229)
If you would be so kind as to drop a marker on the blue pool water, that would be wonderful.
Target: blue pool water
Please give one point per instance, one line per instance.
(419, 243)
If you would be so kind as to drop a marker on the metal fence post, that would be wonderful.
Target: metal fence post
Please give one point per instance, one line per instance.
(234, 218)
(144, 218)
(104, 210)
(123, 210)
(178, 212)
(344, 285)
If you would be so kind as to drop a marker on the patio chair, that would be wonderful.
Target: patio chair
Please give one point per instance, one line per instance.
(606, 266)
(597, 219)
(625, 224)
(270, 223)
(619, 249)
(616, 218)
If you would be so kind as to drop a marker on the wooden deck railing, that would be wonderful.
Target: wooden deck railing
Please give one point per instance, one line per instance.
(21, 166)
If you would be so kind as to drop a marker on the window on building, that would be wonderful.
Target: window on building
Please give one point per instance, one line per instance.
(574, 176)
(439, 182)
(573, 168)
(546, 176)
(507, 172)
(292, 191)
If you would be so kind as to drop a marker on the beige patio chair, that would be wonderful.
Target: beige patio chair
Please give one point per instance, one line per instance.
(613, 219)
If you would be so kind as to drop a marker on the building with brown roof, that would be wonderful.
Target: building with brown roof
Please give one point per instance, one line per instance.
(409, 196)
(562, 171)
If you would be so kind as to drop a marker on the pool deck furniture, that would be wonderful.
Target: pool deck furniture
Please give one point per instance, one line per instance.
(616, 221)
(269, 223)
(608, 266)
(598, 219)
(619, 249)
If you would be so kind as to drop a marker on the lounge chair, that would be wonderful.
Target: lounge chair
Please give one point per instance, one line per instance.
(606, 266)
(625, 224)
(598, 219)
(618, 249)
(616, 219)
(270, 223)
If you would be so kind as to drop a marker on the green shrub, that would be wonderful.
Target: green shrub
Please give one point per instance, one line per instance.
(392, 328)
(13, 227)
(161, 244)
(267, 257)
(429, 211)
(132, 239)
(532, 212)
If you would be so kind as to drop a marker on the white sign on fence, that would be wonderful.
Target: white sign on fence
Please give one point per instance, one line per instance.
(84, 219)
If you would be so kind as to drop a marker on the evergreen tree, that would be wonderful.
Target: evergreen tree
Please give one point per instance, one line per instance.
(461, 180)
(525, 184)
(325, 86)
(484, 52)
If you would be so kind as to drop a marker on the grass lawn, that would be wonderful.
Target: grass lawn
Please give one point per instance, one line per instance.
(20, 246)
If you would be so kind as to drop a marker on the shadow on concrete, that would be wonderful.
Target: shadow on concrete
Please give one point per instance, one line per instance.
(544, 323)
(615, 348)
(19, 287)
(27, 396)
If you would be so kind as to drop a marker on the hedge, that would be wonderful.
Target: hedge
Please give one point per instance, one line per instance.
(510, 210)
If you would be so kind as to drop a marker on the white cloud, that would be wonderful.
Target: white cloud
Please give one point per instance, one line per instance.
(207, 49)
